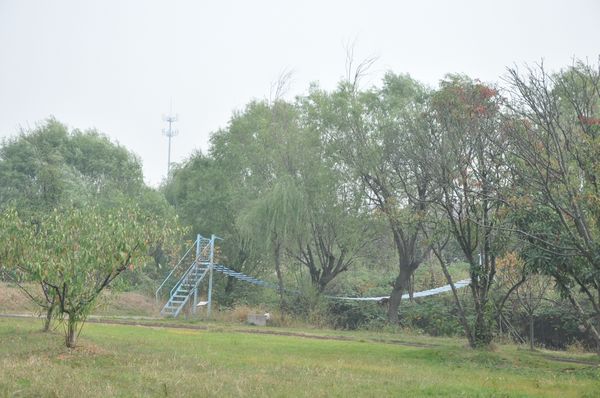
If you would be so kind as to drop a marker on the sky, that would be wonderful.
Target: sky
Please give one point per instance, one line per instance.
(119, 65)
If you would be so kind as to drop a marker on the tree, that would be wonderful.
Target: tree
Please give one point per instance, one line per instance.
(265, 151)
(338, 223)
(470, 175)
(259, 155)
(272, 221)
(15, 237)
(49, 166)
(204, 196)
(555, 140)
(367, 131)
(525, 287)
(52, 166)
(78, 252)
(333, 241)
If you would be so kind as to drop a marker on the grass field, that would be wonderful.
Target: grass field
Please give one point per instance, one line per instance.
(120, 360)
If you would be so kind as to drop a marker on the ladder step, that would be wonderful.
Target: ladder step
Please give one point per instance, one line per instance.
(187, 284)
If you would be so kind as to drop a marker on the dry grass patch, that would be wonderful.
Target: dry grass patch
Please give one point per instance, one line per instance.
(13, 300)
(127, 303)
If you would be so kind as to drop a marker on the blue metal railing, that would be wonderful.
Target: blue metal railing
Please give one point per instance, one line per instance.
(175, 268)
(183, 278)
(186, 281)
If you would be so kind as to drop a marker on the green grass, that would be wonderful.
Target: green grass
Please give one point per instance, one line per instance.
(117, 360)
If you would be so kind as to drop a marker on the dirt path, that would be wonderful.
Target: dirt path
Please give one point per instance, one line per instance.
(151, 322)
(339, 338)
(570, 360)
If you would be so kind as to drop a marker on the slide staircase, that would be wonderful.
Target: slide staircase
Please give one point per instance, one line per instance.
(184, 289)
(185, 282)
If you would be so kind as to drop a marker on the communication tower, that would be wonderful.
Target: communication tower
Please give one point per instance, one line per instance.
(170, 132)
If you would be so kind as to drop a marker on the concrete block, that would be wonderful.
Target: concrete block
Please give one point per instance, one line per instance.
(257, 319)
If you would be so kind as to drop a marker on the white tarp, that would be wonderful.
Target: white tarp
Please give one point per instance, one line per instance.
(431, 292)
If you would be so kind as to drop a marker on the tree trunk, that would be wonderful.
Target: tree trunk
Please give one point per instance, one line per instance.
(277, 258)
(407, 263)
(400, 285)
(230, 285)
(482, 333)
(48, 320)
(324, 280)
(71, 333)
(586, 321)
(531, 332)
(459, 306)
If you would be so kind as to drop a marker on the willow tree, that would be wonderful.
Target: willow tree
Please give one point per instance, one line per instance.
(273, 221)
(50, 165)
(368, 133)
(336, 218)
(336, 231)
(258, 156)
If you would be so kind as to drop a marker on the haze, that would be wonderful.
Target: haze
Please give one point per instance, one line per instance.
(117, 65)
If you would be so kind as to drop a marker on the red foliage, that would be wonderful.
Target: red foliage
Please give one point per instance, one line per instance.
(590, 121)
(487, 92)
(480, 110)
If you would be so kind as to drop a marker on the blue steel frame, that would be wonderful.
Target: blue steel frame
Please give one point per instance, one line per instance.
(205, 252)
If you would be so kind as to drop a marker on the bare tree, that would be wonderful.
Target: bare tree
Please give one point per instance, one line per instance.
(281, 86)
(554, 135)
(524, 288)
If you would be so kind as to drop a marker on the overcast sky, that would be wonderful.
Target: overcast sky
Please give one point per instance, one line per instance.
(116, 65)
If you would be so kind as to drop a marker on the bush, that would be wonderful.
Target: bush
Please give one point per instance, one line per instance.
(354, 315)
(555, 326)
(436, 316)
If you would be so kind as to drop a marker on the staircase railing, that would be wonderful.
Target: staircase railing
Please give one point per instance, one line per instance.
(175, 268)
(183, 278)
(184, 282)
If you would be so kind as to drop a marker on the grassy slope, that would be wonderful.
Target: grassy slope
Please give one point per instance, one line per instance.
(13, 300)
(137, 361)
